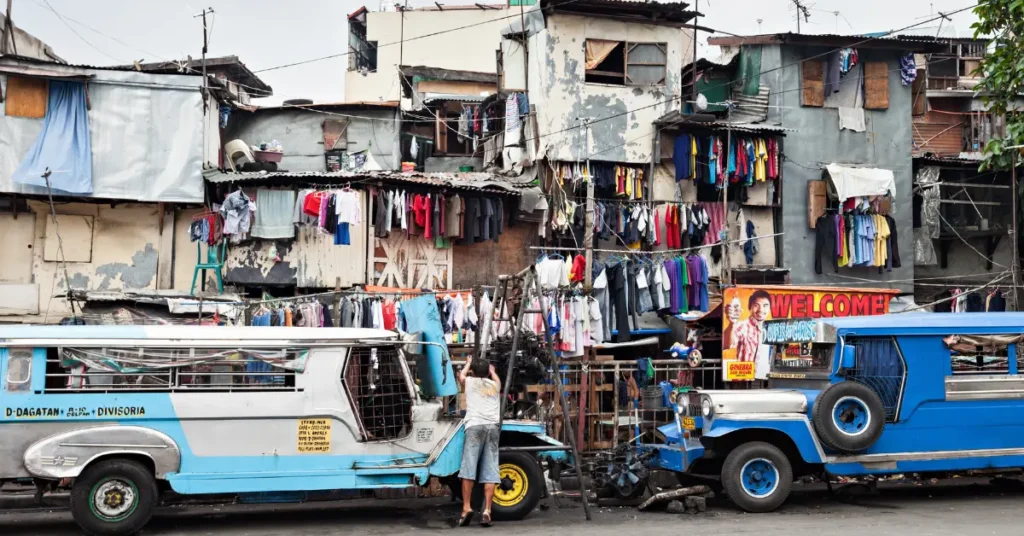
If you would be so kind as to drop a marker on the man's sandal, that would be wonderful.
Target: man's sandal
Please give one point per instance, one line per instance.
(485, 519)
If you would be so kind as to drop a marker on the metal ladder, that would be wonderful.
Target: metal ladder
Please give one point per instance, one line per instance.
(528, 282)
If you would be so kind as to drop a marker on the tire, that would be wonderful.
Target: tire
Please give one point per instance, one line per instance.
(523, 473)
(757, 477)
(848, 417)
(118, 479)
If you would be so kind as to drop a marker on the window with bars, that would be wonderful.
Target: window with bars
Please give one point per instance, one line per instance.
(379, 391)
(125, 369)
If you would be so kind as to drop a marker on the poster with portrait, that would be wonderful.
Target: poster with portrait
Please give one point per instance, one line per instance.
(746, 308)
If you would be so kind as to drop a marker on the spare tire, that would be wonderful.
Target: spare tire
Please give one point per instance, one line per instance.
(848, 417)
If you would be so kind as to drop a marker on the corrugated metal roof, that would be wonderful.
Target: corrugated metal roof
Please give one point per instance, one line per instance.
(749, 109)
(833, 40)
(121, 68)
(431, 97)
(643, 11)
(487, 182)
(676, 120)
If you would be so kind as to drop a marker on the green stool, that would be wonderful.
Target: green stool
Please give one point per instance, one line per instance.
(215, 257)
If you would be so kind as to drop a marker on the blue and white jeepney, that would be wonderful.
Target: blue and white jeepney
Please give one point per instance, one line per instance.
(904, 393)
(123, 414)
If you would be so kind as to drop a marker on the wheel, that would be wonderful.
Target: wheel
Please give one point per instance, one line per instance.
(114, 498)
(757, 477)
(848, 416)
(521, 488)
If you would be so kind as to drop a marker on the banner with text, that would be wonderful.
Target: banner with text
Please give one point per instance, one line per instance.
(746, 308)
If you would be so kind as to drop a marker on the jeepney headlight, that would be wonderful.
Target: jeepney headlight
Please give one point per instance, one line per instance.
(680, 409)
(706, 409)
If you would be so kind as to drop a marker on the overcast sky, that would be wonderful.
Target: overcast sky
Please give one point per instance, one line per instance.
(265, 33)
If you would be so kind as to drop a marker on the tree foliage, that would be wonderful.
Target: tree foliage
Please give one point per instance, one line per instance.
(1002, 72)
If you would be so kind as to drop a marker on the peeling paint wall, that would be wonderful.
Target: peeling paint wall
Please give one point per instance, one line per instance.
(311, 260)
(816, 140)
(557, 72)
(124, 242)
(301, 134)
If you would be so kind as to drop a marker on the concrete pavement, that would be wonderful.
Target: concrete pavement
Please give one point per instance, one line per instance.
(926, 510)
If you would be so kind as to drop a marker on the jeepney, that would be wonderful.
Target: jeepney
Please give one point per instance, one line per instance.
(876, 395)
(123, 414)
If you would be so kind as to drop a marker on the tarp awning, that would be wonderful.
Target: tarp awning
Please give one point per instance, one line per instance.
(860, 182)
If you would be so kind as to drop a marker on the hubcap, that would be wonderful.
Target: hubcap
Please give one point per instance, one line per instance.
(759, 477)
(114, 499)
(512, 488)
(851, 416)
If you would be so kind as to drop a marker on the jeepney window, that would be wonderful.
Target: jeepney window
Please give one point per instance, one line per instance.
(966, 357)
(803, 357)
(173, 369)
(880, 366)
(19, 370)
(379, 391)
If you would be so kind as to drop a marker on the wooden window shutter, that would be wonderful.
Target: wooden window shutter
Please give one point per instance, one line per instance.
(440, 131)
(813, 83)
(817, 200)
(917, 92)
(876, 85)
(26, 97)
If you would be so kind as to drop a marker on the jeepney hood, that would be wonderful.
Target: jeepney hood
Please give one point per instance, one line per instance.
(757, 401)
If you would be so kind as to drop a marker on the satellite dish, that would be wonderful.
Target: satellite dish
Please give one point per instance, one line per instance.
(702, 102)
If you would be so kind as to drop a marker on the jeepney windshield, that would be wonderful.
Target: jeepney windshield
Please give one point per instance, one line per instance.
(802, 357)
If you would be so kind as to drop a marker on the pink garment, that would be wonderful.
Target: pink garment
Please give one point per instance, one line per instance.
(716, 213)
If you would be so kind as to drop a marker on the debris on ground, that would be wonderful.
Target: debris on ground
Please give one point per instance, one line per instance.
(661, 499)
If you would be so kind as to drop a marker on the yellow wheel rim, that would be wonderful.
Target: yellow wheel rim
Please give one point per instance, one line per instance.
(520, 485)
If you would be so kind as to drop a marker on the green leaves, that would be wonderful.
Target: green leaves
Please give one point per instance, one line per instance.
(1002, 72)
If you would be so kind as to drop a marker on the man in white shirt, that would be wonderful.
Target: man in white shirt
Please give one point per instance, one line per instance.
(480, 452)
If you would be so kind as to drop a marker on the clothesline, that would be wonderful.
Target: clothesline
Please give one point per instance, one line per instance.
(411, 293)
(654, 252)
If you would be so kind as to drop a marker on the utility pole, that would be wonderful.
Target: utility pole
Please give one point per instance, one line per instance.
(726, 268)
(694, 80)
(206, 46)
(801, 9)
(588, 220)
(1015, 266)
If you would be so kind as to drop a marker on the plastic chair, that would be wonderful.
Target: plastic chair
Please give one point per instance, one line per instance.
(237, 148)
(215, 257)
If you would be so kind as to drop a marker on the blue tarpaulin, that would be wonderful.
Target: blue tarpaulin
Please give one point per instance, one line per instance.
(435, 372)
(63, 145)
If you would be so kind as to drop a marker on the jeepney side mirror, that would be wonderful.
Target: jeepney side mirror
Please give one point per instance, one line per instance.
(849, 357)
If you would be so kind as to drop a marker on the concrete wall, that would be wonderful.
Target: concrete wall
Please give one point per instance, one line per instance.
(300, 131)
(310, 260)
(816, 140)
(106, 247)
(557, 68)
(471, 48)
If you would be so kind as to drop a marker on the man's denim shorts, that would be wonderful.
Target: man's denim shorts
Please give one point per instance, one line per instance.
(480, 454)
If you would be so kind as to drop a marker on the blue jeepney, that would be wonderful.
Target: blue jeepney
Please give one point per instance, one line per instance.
(122, 415)
(876, 395)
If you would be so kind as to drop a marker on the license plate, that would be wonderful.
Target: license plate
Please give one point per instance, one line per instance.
(689, 423)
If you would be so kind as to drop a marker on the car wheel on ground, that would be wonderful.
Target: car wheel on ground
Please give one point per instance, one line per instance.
(114, 498)
(757, 477)
(521, 488)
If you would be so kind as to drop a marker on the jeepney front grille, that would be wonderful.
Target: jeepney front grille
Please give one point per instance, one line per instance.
(378, 390)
